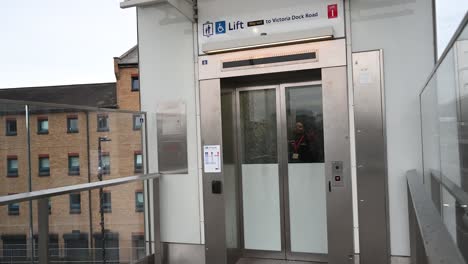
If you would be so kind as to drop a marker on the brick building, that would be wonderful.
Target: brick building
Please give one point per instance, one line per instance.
(64, 151)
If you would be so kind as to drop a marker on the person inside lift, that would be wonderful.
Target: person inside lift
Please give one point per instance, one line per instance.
(299, 146)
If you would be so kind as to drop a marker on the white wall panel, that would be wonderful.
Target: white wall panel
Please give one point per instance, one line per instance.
(167, 74)
(308, 207)
(261, 204)
(404, 30)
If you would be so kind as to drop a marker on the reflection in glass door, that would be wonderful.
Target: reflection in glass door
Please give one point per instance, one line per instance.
(306, 215)
(283, 182)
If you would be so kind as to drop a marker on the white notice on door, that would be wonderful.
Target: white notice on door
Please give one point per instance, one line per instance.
(212, 158)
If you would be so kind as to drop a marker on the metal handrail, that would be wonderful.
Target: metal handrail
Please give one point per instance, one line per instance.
(448, 48)
(458, 193)
(36, 195)
(431, 241)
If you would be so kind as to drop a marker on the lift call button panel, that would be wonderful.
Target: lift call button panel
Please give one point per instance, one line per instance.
(337, 174)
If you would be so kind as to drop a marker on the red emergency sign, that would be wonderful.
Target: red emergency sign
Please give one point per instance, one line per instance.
(332, 11)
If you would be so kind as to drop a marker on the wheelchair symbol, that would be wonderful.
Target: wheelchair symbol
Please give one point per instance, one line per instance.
(220, 27)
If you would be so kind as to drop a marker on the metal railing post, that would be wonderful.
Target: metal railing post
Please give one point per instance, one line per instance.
(43, 227)
(158, 251)
(29, 170)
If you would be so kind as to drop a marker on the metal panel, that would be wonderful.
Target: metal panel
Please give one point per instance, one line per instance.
(172, 138)
(403, 29)
(211, 134)
(371, 157)
(329, 53)
(336, 143)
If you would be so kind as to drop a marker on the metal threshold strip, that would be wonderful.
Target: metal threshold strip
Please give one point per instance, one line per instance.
(36, 195)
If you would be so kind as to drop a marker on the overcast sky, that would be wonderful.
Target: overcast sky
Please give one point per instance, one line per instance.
(53, 42)
(449, 15)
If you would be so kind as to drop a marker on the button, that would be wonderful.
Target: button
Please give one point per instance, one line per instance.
(337, 178)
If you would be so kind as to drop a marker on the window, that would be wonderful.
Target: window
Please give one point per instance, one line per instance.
(73, 164)
(44, 165)
(137, 122)
(76, 247)
(139, 202)
(14, 248)
(12, 166)
(139, 249)
(138, 160)
(72, 124)
(102, 123)
(111, 246)
(75, 203)
(50, 205)
(11, 128)
(106, 202)
(53, 245)
(13, 208)
(105, 163)
(42, 125)
(135, 83)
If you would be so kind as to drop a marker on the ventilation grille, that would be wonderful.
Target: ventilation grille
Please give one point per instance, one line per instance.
(252, 62)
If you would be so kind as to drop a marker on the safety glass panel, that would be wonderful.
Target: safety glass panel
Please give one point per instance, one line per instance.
(306, 170)
(259, 167)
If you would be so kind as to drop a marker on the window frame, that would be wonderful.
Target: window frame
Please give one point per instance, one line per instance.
(40, 131)
(71, 208)
(69, 118)
(138, 169)
(40, 171)
(104, 170)
(103, 129)
(72, 172)
(139, 208)
(135, 117)
(10, 206)
(8, 132)
(135, 78)
(11, 173)
(138, 245)
(107, 205)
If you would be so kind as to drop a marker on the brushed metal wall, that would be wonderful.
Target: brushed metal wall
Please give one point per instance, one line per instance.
(371, 157)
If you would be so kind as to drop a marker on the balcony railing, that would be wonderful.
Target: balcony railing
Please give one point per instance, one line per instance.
(78, 246)
(439, 197)
(74, 184)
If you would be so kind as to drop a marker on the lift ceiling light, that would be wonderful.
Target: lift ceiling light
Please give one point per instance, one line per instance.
(269, 40)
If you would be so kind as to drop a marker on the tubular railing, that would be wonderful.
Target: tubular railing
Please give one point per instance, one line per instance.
(430, 239)
(42, 197)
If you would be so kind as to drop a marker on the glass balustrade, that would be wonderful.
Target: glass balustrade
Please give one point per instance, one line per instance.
(44, 146)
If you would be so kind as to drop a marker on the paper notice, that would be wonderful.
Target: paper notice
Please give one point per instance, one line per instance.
(212, 158)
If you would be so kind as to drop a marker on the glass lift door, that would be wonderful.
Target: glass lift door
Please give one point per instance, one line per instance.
(282, 173)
